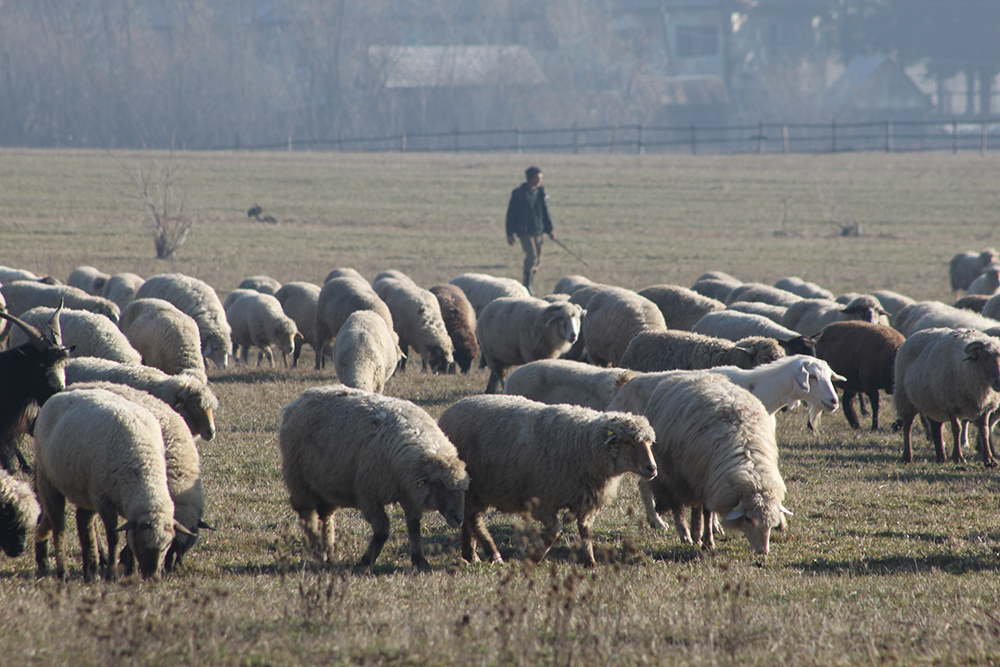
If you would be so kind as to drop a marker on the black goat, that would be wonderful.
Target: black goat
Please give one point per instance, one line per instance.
(255, 213)
(29, 375)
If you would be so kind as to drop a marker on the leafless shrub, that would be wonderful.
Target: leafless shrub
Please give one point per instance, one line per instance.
(163, 200)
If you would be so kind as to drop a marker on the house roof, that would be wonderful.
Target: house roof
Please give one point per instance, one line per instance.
(436, 66)
(683, 90)
(873, 82)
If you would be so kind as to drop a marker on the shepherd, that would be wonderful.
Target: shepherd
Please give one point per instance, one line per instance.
(528, 219)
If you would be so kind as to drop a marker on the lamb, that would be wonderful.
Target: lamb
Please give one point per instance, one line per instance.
(773, 313)
(262, 284)
(933, 315)
(809, 316)
(965, 267)
(948, 375)
(165, 337)
(417, 319)
(570, 284)
(512, 332)
(121, 288)
(105, 455)
(715, 289)
(762, 293)
(21, 296)
(865, 355)
(614, 317)
(343, 447)
(482, 289)
(682, 350)
(191, 398)
(524, 456)
(681, 307)
(735, 325)
(257, 320)
(460, 321)
(366, 352)
(345, 272)
(89, 279)
(299, 301)
(19, 512)
(86, 333)
(554, 381)
(715, 445)
(988, 282)
(338, 298)
(802, 288)
(197, 299)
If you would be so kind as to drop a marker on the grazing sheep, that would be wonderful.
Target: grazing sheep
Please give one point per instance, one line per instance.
(865, 355)
(973, 302)
(299, 301)
(680, 306)
(460, 321)
(366, 352)
(22, 295)
(809, 316)
(121, 288)
(105, 455)
(87, 334)
(481, 289)
(716, 449)
(89, 279)
(803, 288)
(583, 295)
(392, 274)
(570, 284)
(345, 272)
(19, 512)
(235, 296)
(763, 294)
(262, 284)
(965, 267)
(988, 282)
(257, 320)
(935, 315)
(417, 319)
(197, 299)
(343, 447)
(773, 313)
(165, 337)
(948, 375)
(715, 289)
(338, 298)
(9, 275)
(512, 332)
(524, 456)
(893, 302)
(614, 317)
(719, 275)
(191, 398)
(734, 325)
(683, 350)
(554, 381)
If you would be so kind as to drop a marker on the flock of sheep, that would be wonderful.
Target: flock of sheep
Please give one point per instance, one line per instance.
(676, 385)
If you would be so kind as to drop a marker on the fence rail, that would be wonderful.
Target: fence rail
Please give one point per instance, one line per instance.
(980, 134)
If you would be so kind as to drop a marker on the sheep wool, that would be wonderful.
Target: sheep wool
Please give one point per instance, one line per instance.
(121, 288)
(564, 381)
(22, 295)
(165, 337)
(257, 320)
(614, 317)
(417, 319)
(90, 334)
(89, 279)
(683, 350)
(366, 352)
(19, 513)
(338, 298)
(481, 289)
(299, 301)
(460, 321)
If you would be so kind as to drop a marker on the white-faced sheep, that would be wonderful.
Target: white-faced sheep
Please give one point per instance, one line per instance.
(762, 293)
(19, 512)
(344, 272)
(684, 350)
(165, 337)
(366, 352)
(191, 398)
(773, 313)
(715, 289)
(988, 282)
(948, 375)
(735, 325)
(680, 306)
(513, 332)
(809, 316)
(865, 355)
(299, 300)
(23, 295)
(89, 279)
(105, 455)
(338, 298)
(564, 381)
(343, 447)
(570, 284)
(88, 334)
(417, 319)
(614, 317)
(524, 456)
(482, 289)
(716, 449)
(803, 288)
(967, 266)
(197, 299)
(262, 284)
(121, 288)
(257, 320)
(460, 321)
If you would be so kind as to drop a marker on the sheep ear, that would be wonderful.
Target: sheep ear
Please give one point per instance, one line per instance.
(747, 350)
(204, 526)
(609, 437)
(181, 528)
(421, 482)
(736, 513)
(128, 525)
(298, 336)
(785, 510)
(838, 378)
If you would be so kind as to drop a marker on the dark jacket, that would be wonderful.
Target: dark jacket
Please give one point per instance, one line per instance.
(519, 219)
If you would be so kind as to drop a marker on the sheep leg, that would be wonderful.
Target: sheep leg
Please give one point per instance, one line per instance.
(873, 398)
(379, 520)
(550, 534)
(328, 528)
(109, 515)
(707, 537)
(468, 539)
(496, 381)
(646, 493)
(861, 406)
(42, 533)
(848, 403)
(983, 428)
(53, 524)
(697, 526)
(88, 543)
(416, 544)
(583, 525)
(960, 434)
(934, 429)
(296, 351)
(907, 442)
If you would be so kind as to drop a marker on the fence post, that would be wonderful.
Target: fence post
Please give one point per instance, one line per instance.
(576, 140)
(954, 135)
(784, 139)
(402, 142)
(639, 149)
(517, 139)
(760, 137)
(456, 137)
(888, 136)
(614, 138)
(982, 147)
(833, 136)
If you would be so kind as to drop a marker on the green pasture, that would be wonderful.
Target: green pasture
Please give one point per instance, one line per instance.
(882, 564)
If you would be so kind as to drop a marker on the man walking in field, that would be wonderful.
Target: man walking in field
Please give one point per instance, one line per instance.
(528, 219)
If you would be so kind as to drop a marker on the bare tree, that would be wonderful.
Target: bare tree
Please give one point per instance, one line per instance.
(163, 200)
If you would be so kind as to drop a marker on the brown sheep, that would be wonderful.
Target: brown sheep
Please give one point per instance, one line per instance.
(460, 321)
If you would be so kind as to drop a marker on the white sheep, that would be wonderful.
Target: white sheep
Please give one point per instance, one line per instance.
(89, 334)
(936, 315)
(166, 338)
(191, 398)
(773, 313)
(235, 295)
(9, 275)
(482, 289)
(338, 298)
(967, 266)
(366, 352)
(716, 449)
(681, 307)
(257, 320)
(512, 332)
(614, 317)
(343, 447)
(809, 316)
(89, 279)
(948, 375)
(803, 288)
(565, 381)
(570, 284)
(715, 289)
(988, 282)
(417, 319)
(762, 293)
(121, 288)
(105, 455)
(684, 350)
(19, 513)
(262, 284)
(735, 325)
(893, 302)
(345, 272)
(391, 274)
(524, 456)
(23, 295)
(299, 301)
(197, 299)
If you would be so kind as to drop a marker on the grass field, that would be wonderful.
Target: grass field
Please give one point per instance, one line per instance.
(883, 563)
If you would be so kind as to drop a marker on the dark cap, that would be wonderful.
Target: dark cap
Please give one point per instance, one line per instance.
(531, 172)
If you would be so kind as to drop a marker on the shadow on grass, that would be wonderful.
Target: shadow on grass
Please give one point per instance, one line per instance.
(892, 565)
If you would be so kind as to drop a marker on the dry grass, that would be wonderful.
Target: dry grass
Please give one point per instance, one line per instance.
(882, 563)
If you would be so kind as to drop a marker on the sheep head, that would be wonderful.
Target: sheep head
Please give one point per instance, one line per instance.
(985, 353)
(441, 486)
(629, 440)
(755, 516)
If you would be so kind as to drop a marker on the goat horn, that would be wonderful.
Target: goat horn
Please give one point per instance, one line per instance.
(36, 337)
(54, 325)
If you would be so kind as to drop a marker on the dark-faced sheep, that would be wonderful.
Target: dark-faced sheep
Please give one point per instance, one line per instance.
(809, 316)
(683, 350)
(460, 321)
(734, 325)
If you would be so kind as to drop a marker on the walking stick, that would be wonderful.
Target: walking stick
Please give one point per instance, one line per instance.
(563, 246)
